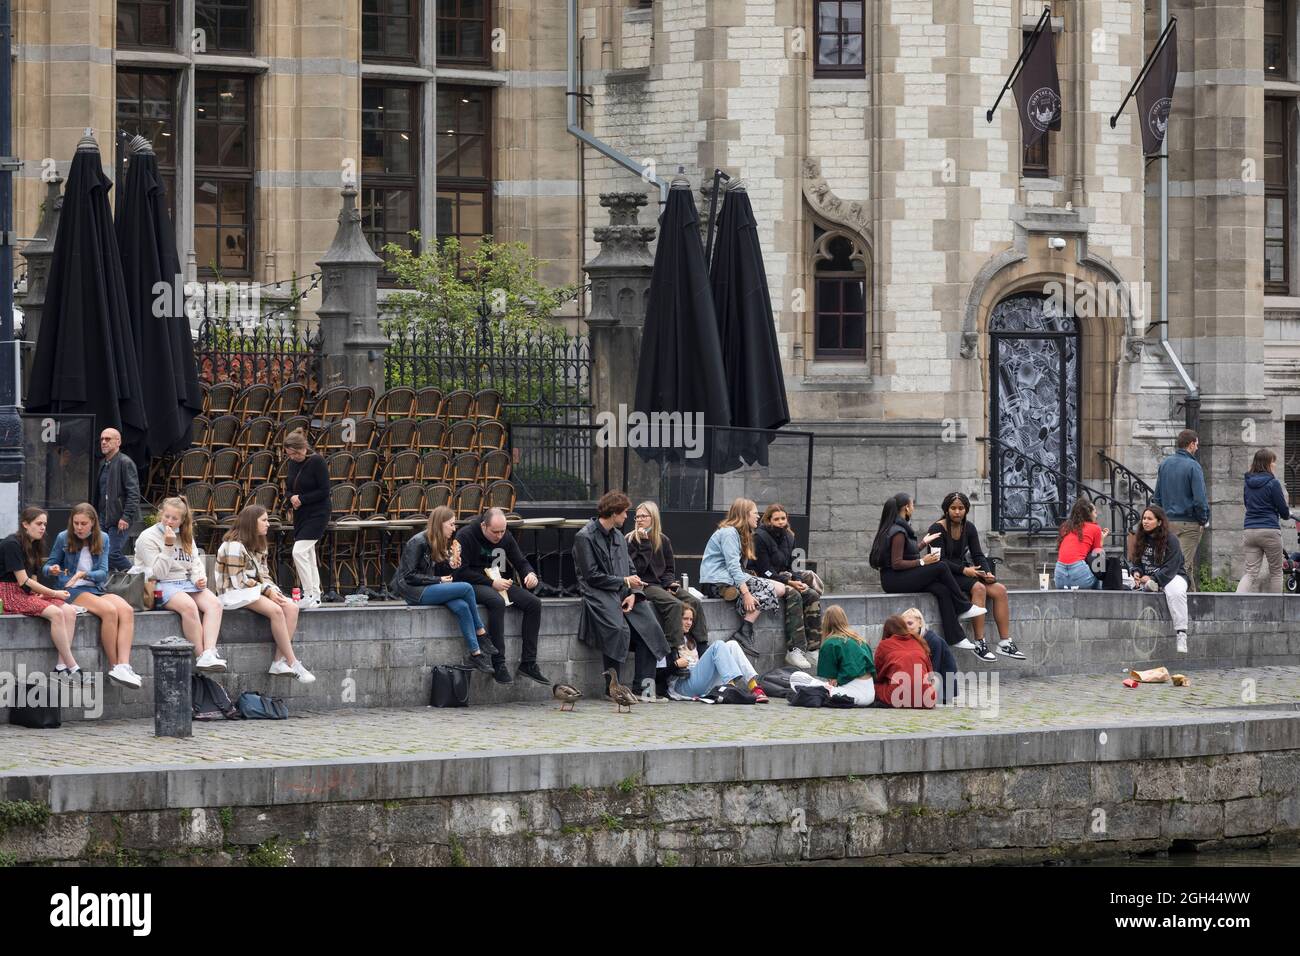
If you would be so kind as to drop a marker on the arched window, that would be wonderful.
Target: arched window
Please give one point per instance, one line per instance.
(839, 296)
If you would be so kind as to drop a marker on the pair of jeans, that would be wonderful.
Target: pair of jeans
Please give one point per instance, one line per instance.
(943, 662)
(1077, 575)
(722, 663)
(668, 606)
(1189, 535)
(935, 579)
(528, 603)
(1176, 598)
(459, 598)
(117, 561)
(1259, 544)
(304, 562)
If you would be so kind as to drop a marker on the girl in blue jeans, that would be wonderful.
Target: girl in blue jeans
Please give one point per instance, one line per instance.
(424, 579)
(1077, 541)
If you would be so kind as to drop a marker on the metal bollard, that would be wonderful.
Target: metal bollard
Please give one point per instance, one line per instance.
(173, 666)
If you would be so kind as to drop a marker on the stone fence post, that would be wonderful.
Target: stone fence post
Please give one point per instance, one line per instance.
(620, 291)
(352, 343)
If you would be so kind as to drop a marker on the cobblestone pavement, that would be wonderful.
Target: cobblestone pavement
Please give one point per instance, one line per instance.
(1027, 704)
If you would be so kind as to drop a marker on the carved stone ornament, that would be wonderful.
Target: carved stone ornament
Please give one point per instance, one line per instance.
(853, 215)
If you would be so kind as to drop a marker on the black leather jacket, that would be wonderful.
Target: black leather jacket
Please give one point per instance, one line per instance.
(417, 569)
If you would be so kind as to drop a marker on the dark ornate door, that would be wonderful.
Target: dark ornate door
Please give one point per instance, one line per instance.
(1034, 412)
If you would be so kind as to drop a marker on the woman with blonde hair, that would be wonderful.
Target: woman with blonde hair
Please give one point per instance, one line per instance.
(941, 656)
(244, 580)
(307, 491)
(652, 557)
(722, 574)
(79, 562)
(424, 579)
(845, 664)
(170, 557)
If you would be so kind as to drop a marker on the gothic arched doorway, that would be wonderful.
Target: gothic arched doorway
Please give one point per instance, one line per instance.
(1033, 411)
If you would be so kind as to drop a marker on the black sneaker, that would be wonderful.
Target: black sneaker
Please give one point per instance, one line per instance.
(486, 646)
(981, 650)
(744, 636)
(501, 674)
(480, 662)
(1009, 649)
(531, 670)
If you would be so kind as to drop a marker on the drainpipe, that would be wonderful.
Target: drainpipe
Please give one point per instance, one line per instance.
(571, 113)
(1193, 402)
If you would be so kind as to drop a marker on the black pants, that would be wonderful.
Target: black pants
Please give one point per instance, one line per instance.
(644, 668)
(531, 607)
(934, 579)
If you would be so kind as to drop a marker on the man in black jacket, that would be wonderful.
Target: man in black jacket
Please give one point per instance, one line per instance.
(487, 545)
(117, 498)
(616, 617)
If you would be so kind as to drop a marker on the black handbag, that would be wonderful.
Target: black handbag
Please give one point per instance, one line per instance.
(38, 718)
(450, 686)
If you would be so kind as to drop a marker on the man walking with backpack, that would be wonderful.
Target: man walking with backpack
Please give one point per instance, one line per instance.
(1180, 490)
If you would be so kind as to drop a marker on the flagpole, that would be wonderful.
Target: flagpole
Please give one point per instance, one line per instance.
(1024, 53)
(1146, 68)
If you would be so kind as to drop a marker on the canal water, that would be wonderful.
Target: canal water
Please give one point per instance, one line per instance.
(1282, 856)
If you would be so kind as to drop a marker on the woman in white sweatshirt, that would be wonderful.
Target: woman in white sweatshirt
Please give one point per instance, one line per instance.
(169, 555)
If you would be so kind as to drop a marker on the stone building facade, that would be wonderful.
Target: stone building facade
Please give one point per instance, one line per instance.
(908, 242)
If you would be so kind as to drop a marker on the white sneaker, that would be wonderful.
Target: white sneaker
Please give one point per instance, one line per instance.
(1182, 642)
(308, 603)
(303, 675)
(974, 612)
(121, 674)
(280, 667)
(132, 671)
(965, 644)
(795, 658)
(209, 661)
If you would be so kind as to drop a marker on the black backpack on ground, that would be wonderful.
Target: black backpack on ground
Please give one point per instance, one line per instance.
(809, 695)
(210, 700)
(776, 683)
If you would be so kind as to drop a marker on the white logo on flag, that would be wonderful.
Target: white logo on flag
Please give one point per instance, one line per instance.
(1044, 108)
(1158, 117)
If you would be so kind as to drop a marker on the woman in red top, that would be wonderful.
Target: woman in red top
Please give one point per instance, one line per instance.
(903, 669)
(1079, 539)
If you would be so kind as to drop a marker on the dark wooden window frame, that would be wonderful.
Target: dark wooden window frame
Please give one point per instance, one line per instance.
(821, 254)
(460, 60)
(1288, 17)
(173, 20)
(371, 181)
(840, 70)
(221, 174)
(412, 40)
(226, 8)
(1281, 191)
(167, 171)
(466, 184)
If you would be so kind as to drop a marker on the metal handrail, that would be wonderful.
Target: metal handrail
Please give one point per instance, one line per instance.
(1136, 488)
(1068, 489)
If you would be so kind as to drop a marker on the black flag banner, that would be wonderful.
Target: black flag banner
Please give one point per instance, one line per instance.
(1037, 89)
(1156, 94)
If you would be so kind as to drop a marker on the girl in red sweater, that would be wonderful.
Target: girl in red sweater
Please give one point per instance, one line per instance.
(903, 669)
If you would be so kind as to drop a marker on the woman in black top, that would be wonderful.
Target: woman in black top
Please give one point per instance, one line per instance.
(21, 557)
(774, 558)
(896, 554)
(307, 490)
(960, 549)
(652, 558)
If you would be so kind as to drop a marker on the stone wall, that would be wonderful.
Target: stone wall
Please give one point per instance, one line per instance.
(382, 657)
(1001, 815)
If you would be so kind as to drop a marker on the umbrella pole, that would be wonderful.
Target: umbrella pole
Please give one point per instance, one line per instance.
(718, 176)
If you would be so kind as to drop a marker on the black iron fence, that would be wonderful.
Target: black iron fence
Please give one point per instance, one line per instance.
(1033, 498)
(576, 464)
(243, 339)
(542, 377)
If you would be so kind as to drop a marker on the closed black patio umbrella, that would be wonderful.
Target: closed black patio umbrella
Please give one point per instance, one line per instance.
(160, 331)
(755, 382)
(85, 361)
(681, 359)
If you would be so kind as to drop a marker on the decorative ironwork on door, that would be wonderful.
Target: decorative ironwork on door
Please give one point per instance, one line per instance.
(1034, 411)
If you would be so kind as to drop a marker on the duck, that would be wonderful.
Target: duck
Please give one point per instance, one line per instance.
(566, 695)
(619, 694)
